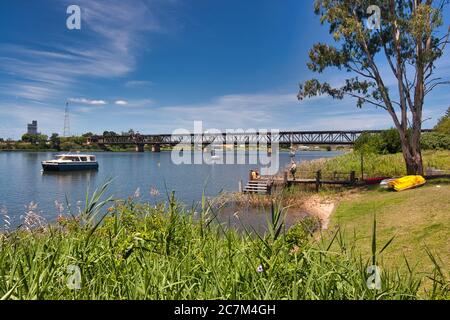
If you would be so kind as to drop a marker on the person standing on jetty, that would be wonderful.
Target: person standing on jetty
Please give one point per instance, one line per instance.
(293, 169)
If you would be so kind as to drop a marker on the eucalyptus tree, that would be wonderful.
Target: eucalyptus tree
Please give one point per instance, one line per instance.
(376, 41)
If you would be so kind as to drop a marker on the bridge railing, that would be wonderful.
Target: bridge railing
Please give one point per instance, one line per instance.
(252, 138)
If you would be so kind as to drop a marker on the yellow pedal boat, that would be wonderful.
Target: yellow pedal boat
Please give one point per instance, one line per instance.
(407, 182)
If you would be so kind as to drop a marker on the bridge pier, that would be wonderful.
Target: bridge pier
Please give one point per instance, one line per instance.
(156, 148)
(140, 147)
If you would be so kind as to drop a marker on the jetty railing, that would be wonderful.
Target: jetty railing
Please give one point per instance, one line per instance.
(316, 178)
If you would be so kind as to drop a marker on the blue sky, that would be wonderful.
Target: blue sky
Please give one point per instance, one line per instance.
(159, 65)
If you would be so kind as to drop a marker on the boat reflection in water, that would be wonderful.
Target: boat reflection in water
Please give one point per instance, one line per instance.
(69, 178)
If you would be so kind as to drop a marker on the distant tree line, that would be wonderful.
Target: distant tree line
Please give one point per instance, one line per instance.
(389, 141)
(35, 142)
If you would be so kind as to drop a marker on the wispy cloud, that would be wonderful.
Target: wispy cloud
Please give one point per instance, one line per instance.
(88, 101)
(107, 46)
(138, 83)
(269, 111)
(135, 103)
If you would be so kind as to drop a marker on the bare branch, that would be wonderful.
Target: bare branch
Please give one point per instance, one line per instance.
(428, 90)
(366, 100)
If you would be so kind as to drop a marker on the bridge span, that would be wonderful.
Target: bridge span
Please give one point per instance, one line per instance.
(283, 138)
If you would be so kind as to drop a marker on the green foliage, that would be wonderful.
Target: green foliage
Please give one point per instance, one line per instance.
(42, 142)
(375, 165)
(142, 251)
(109, 133)
(55, 141)
(368, 143)
(443, 125)
(391, 142)
(34, 138)
(68, 146)
(436, 141)
(87, 134)
(299, 235)
(387, 142)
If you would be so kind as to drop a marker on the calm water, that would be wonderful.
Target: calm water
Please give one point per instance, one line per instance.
(21, 179)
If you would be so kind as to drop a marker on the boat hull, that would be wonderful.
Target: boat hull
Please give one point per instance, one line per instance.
(406, 183)
(69, 167)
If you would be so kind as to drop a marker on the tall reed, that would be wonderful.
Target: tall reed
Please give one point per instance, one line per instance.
(136, 250)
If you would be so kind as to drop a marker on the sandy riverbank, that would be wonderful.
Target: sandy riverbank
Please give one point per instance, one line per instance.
(321, 208)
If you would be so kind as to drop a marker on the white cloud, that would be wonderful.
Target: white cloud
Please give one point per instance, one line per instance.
(88, 101)
(137, 103)
(121, 102)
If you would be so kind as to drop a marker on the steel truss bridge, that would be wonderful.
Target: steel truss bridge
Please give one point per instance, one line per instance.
(248, 138)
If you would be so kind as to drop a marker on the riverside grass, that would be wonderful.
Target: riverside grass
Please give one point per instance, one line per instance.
(374, 164)
(140, 251)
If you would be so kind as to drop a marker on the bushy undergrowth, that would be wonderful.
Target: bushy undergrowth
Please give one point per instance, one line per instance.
(139, 251)
(388, 141)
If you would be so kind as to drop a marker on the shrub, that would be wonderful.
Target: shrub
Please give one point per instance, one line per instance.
(443, 125)
(387, 142)
(368, 143)
(435, 141)
(299, 234)
(390, 142)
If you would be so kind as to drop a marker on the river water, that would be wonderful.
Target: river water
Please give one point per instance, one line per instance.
(23, 182)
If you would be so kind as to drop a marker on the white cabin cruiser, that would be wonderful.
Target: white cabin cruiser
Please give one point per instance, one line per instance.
(68, 162)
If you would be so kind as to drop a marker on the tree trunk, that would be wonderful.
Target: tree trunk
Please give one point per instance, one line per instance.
(412, 152)
(414, 164)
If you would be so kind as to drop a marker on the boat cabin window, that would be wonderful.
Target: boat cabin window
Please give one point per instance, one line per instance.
(69, 158)
(76, 158)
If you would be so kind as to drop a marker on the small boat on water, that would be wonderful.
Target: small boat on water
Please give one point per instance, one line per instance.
(214, 155)
(69, 162)
(406, 183)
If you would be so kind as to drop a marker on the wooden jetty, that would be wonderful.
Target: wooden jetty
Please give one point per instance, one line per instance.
(265, 184)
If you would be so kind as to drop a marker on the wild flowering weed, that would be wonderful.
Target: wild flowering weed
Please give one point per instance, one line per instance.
(32, 219)
(154, 192)
(6, 218)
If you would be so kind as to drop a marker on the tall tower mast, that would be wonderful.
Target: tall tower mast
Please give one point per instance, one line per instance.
(66, 121)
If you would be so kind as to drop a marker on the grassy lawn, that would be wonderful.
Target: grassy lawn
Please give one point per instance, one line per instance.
(417, 218)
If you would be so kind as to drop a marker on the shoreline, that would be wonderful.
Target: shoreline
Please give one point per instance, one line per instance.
(320, 208)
